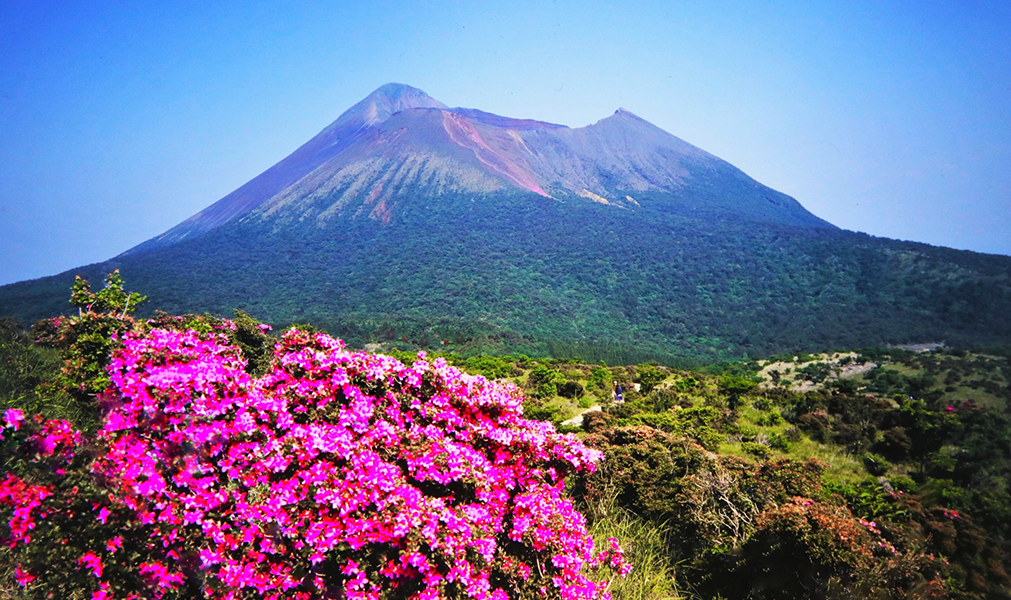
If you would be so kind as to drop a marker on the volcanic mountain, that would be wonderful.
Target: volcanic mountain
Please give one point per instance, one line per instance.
(399, 143)
(406, 221)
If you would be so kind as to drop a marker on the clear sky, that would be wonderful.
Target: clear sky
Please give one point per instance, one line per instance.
(120, 119)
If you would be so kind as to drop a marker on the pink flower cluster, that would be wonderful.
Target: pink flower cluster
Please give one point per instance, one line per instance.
(336, 470)
(25, 500)
(56, 438)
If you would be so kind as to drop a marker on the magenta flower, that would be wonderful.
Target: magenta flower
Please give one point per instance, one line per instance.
(335, 469)
(13, 418)
(92, 562)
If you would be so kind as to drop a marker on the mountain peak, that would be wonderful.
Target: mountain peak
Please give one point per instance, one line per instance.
(625, 113)
(395, 91)
(385, 102)
(375, 108)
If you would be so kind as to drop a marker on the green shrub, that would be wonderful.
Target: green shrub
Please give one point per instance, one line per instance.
(663, 399)
(708, 438)
(600, 379)
(760, 451)
(649, 377)
(779, 442)
(540, 412)
(492, 367)
(815, 424)
(665, 421)
(876, 464)
(571, 389)
(544, 381)
(770, 420)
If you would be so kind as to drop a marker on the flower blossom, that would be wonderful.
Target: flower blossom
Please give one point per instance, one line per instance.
(335, 469)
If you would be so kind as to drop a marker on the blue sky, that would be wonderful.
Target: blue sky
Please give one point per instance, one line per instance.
(118, 120)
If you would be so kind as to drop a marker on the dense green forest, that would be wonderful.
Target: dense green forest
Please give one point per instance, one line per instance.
(876, 473)
(516, 274)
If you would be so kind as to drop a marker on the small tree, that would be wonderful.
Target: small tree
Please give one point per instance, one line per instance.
(86, 341)
(110, 299)
(649, 377)
(734, 387)
(545, 381)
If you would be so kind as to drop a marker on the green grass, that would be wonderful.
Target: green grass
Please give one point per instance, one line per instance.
(981, 397)
(645, 546)
(843, 466)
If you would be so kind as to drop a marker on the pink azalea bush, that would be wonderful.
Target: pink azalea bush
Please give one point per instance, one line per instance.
(336, 474)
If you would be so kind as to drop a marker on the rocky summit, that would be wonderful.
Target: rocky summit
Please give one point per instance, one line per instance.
(408, 222)
(400, 143)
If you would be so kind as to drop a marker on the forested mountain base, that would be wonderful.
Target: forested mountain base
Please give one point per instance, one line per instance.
(533, 275)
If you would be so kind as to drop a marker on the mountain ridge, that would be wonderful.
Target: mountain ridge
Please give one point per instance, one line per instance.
(374, 108)
(618, 154)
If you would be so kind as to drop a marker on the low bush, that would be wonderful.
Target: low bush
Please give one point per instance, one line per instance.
(335, 474)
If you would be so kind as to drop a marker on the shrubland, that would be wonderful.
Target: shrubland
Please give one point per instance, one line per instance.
(192, 456)
(315, 473)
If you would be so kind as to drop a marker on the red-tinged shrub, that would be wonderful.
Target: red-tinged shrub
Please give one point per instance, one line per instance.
(978, 558)
(806, 549)
(673, 482)
(816, 424)
(336, 474)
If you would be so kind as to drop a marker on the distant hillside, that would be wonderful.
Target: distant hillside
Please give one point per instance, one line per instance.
(409, 222)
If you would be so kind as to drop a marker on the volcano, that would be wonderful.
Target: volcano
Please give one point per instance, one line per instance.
(399, 143)
(409, 222)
